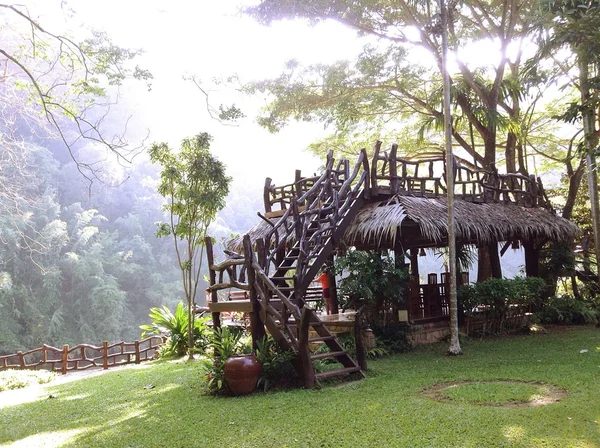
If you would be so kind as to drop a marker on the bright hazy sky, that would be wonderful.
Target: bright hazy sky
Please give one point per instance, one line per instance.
(210, 39)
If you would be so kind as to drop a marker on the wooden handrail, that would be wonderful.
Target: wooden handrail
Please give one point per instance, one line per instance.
(271, 286)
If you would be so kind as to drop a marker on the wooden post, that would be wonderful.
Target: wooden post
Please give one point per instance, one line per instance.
(105, 355)
(394, 169)
(374, 165)
(361, 349)
(257, 328)
(65, 359)
(532, 258)
(262, 254)
(308, 372)
(216, 317)
(22, 364)
(267, 195)
(298, 178)
(365, 163)
(137, 352)
(335, 308)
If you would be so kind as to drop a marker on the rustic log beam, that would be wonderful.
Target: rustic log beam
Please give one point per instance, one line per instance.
(374, 165)
(308, 372)
(257, 328)
(214, 298)
(227, 285)
(361, 349)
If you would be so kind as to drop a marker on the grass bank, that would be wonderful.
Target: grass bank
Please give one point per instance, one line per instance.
(386, 409)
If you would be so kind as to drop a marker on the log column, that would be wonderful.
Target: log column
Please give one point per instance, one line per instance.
(330, 270)
(532, 258)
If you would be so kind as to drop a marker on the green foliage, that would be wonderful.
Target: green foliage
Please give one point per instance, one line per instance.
(195, 185)
(175, 326)
(276, 364)
(567, 310)
(348, 415)
(370, 279)
(497, 300)
(394, 337)
(18, 379)
(224, 342)
(349, 344)
(556, 260)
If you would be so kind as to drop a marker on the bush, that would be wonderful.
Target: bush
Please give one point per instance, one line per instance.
(277, 368)
(372, 280)
(223, 343)
(567, 310)
(393, 337)
(175, 326)
(498, 300)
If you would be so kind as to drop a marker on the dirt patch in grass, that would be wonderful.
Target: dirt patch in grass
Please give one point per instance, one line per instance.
(502, 393)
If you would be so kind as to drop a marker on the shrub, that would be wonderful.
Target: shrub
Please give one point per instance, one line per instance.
(372, 280)
(567, 310)
(175, 326)
(498, 300)
(277, 368)
(393, 337)
(223, 343)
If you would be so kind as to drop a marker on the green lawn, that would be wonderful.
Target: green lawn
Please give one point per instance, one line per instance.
(386, 409)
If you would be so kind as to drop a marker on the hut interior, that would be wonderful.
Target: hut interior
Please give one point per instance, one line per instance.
(386, 204)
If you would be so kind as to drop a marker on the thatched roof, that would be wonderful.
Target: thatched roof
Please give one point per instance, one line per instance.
(377, 224)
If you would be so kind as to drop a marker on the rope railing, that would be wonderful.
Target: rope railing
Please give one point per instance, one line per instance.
(83, 356)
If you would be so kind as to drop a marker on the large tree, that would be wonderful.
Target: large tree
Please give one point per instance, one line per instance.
(574, 24)
(399, 77)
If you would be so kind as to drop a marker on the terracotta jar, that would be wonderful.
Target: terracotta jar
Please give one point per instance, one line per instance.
(242, 373)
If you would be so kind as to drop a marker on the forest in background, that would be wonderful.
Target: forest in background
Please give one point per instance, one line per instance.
(80, 267)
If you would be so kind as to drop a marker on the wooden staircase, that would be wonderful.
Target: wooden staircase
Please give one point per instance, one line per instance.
(295, 249)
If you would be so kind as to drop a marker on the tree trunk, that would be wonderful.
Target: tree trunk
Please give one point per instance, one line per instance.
(589, 128)
(454, 348)
(574, 184)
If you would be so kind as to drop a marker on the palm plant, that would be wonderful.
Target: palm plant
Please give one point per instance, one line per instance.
(175, 326)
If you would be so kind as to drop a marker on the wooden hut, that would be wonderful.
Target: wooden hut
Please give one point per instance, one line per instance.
(390, 203)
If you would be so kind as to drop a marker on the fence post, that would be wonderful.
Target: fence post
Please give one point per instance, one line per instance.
(105, 355)
(137, 352)
(22, 364)
(65, 359)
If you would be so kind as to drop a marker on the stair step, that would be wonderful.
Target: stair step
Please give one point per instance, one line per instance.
(282, 278)
(337, 372)
(321, 339)
(327, 355)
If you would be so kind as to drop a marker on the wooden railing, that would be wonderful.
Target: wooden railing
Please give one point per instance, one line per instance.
(83, 356)
(424, 176)
(316, 212)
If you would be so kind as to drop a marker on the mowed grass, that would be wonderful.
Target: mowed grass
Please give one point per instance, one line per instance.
(386, 409)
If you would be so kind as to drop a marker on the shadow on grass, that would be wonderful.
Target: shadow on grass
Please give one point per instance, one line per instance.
(386, 409)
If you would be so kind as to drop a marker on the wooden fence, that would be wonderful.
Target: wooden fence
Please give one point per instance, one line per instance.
(83, 356)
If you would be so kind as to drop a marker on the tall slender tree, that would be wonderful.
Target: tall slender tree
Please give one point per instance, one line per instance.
(195, 185)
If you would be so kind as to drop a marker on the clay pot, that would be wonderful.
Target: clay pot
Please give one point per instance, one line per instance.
(369, 338)
(242, 373)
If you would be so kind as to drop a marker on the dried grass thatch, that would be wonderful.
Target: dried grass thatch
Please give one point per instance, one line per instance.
(377, 224)
(475, 222)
